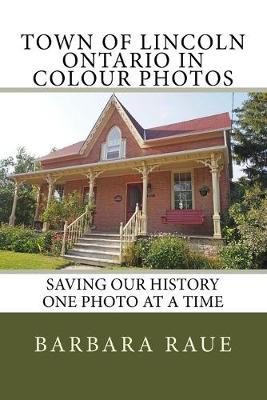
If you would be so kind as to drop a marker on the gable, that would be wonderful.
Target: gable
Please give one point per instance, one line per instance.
(133, 148)
(112, 106)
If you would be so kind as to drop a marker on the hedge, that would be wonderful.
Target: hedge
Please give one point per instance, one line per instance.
(167, 251)
(26, 240)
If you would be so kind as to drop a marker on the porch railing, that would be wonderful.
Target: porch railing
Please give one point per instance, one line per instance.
(74, 231)
(129, 232)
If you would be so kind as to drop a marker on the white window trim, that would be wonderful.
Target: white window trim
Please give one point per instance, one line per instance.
(122, 148)
(176, 171)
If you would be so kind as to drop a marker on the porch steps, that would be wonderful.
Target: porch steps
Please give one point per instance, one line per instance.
(96, 249)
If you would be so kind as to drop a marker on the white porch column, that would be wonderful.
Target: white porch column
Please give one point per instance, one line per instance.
(145, 171)
(215, 171)
(144, 199)
(91, 180)
(50, 180)
(38, 195)
(215, 163)
(92, 175)
(15, 199)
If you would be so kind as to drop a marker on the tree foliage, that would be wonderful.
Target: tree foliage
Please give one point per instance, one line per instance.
(250, 137)
(247, 229)
(22, 162)
(67, 209)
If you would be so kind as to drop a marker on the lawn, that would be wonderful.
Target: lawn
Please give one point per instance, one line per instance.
(12, 260)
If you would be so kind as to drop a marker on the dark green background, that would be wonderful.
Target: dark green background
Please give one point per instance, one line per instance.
(240, 374)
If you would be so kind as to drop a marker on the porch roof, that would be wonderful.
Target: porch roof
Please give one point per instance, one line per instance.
(125, 163)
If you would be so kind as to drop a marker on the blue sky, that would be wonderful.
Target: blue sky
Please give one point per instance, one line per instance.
(40, 121)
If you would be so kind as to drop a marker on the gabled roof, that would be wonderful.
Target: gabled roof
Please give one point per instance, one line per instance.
(73, 149)
(136, 124)
(132, 124)
(144, 136)
(199, 125)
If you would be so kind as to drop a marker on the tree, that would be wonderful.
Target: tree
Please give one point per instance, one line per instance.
(247, 231)
(250, 137)
(23, 162)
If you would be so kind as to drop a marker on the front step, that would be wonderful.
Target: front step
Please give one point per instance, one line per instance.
(114, 248)
(96, 249)
(98, 235)
(94, 254)
(95, 262)
(99, 241)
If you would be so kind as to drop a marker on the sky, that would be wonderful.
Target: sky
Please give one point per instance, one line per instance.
(41, 121)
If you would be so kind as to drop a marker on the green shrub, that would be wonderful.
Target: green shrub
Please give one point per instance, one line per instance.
(56, 243)
(141, 250)
(26, 240)
(129, 254)
(45, 241)
(236, 255)
(168, 252)
(18, 239)
(197, 260)
(247, 225)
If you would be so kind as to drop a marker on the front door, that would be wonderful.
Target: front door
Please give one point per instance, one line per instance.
(134, 195)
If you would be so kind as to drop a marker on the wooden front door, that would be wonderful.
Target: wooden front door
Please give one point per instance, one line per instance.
(134, 195)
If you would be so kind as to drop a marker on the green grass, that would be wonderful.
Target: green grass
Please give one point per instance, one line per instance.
(12, 260)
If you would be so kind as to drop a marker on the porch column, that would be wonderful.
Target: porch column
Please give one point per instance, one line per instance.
(38, 196)
(216, 198)
(145, 171)
(15, 199)
(92, 175)
(91, 180)
(50, 180)
(215, 163)
(144, 199)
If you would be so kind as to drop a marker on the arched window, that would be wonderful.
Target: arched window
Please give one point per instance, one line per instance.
(114, 146)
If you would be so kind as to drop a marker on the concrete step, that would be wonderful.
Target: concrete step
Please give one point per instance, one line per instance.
(93, 235)
(114, 247)
(98, 262)
(94, 254)
(97, 249)
(99, 241)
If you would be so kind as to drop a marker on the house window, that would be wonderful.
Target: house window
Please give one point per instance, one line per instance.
(114, 147)
(58, 192)
(183, 196)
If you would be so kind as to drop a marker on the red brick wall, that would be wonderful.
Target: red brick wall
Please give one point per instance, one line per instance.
(110, 213)
(132, 147)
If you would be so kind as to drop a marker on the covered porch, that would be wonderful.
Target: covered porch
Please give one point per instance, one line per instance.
(158, 183)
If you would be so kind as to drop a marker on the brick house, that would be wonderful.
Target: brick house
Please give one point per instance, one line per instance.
(178, 174)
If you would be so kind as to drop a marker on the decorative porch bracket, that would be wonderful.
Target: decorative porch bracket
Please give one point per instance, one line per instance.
(14, 205)
(215, 163)
(145, 170)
